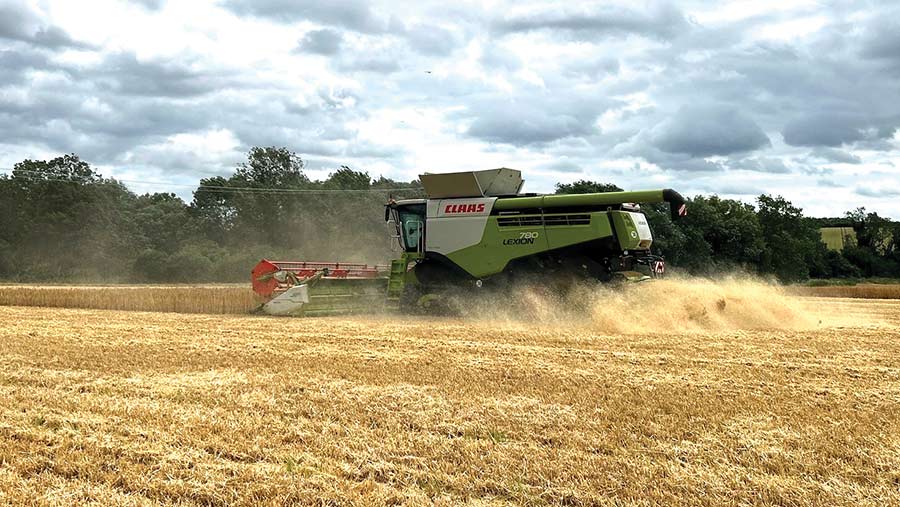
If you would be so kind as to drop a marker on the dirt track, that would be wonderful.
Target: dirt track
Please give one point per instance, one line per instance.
(127, 408)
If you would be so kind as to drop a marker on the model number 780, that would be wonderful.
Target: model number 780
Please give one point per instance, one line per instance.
(528, 235)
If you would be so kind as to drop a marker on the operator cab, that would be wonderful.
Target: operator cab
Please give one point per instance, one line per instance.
(407, 218)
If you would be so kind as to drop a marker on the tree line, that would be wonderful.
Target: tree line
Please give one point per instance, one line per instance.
(64, 222)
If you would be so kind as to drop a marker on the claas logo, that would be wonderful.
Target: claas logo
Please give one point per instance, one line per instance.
(464, 208)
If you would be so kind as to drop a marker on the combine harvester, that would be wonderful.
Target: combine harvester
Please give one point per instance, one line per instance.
(476, 233)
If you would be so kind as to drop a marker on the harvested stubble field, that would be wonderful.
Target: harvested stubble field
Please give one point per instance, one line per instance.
(758, 400)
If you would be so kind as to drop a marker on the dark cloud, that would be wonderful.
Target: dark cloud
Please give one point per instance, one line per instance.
(761, 164)
(14, 21)
(533, 117)
(836, 129)
(19, 23)
(823, 182)
(680, 162)
(663, 22)
(881, 144)
(15, 65)
(527, 125)
(64, 117)
(124, 73)
(833, 155)
(354, 15)
(882, 38)
(880, 192)
(703, 131)
(322, 42)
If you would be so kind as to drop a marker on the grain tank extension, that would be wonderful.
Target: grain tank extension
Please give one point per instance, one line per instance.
(475, 232)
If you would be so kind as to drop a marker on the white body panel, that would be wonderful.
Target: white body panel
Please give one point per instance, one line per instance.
(643, 228)
(289, 301)
(454, 224)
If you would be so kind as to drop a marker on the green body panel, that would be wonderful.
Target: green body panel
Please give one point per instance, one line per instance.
(401, 275)
(559, 236)
(568, 200)
(626, 230)
(490, 256)
(501, 244)
(336, 296)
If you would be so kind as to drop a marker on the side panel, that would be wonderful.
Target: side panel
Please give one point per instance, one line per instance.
(559, 236)
(632, 230)
(643, 228)
(455, 224)
(504, 242)
(498, 246)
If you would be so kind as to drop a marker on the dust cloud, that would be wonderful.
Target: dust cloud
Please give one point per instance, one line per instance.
(670, 305)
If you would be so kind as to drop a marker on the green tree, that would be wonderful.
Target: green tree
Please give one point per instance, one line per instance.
(259, 203)
(271, 167)
(348, 179)
(872, 231)
(585, 187)
(164, 222)
(794, 247)
(68, 222)
(213, 207)
(876, 252)
(719, 234)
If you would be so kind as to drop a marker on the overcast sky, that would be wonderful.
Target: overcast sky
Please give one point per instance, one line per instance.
(800, 99)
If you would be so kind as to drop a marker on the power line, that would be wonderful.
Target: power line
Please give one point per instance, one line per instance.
(223, 188)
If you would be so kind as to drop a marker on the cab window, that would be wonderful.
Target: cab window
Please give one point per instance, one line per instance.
(412, 226)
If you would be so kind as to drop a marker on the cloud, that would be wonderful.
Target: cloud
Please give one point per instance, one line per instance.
(431, 39)
(529, 121)
(662, 21)
(153, 5)
(823, 182)
(703, 131)
(496, 57)
(594, 68)
(19, 23)
(522, 127)
(882, 38)
(824, 129)
(836, 129)
(124, 73)
(743, 190)
(833, 155)
(383, 63)
(322, 42)
(564, 166)
(354, 15)
(761, 164)
(879, 193)
(13, 22)
(15, 65)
